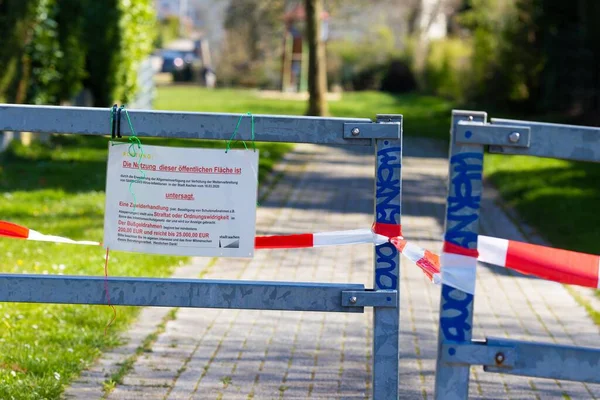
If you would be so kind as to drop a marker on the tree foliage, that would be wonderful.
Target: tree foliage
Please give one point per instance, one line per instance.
(53, 48)
(53, 53)
(168, 30)
(535, 55)
(253, 42)
(118, 35)
(16, 21)
(137, 27)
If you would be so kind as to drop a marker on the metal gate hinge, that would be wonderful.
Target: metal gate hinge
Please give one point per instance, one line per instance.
(370, 298)
(372, 130)
(478, 353)
(468, 132)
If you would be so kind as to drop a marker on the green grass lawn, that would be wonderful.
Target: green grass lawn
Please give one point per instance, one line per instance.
(559, 198)
(59, 190)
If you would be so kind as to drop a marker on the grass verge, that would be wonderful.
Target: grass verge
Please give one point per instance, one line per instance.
(557, 197)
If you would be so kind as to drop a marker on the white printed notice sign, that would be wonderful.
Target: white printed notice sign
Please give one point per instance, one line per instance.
(194, 202)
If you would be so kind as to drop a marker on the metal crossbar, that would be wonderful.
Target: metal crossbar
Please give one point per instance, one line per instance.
(456, 351)
(386, 136)
(193, 125)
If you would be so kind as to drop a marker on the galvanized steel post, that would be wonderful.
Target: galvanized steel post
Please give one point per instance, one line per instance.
(461, 229)
(386, 321)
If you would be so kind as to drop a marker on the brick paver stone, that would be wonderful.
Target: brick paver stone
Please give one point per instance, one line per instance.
(233, 354)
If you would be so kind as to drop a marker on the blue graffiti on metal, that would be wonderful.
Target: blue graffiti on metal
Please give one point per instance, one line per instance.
(463, 207)
(386, 276)
(463, 204)
(388, 185)
(455, 312)
(387, 209)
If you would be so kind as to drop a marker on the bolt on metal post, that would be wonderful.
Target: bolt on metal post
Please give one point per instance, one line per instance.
(499, 358)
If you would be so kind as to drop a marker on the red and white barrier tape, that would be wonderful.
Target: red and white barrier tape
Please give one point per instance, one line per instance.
(319, 239)
(563, 266)
(458, 264)
(8, 229)
(558, 265)
(429, 262)
(304, 240)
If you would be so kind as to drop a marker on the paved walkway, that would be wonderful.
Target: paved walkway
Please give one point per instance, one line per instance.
(230, 354)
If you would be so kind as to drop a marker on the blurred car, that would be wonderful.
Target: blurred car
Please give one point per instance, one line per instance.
(187, 60)
(177, 60)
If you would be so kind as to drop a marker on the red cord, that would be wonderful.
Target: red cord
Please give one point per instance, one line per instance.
(108, 294)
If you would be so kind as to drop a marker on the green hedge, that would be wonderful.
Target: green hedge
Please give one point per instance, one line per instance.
(448, 68)
(53, 48)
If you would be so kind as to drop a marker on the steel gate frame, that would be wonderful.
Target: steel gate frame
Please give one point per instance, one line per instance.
(456, 352)
(385, 135)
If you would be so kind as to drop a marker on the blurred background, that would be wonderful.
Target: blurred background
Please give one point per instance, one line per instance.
(527, 56)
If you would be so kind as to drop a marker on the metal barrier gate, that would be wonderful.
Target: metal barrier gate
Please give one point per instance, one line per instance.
(385, 135)
(456, 352)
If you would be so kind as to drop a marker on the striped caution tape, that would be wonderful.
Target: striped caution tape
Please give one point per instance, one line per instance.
(547, 263)
(320, 239)
(429, 262)
(379, 234)
(457, 264)
(8, 229)
(304, 240)
(563, 266)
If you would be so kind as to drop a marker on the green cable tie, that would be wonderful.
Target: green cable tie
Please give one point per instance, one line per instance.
(133, 142)
(252, 137)
(228, 145)
(131, 151)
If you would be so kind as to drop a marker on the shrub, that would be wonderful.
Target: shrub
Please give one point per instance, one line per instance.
(56, 59)
(16, 16)
(398, 77)
(118, 36)
(394, 76)
(361, 65)
(52, 48)
(168, 30)
(369, 78)
(448, 68)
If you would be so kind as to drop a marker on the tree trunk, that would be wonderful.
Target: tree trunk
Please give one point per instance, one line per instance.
(427, 12)
(317, 78)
